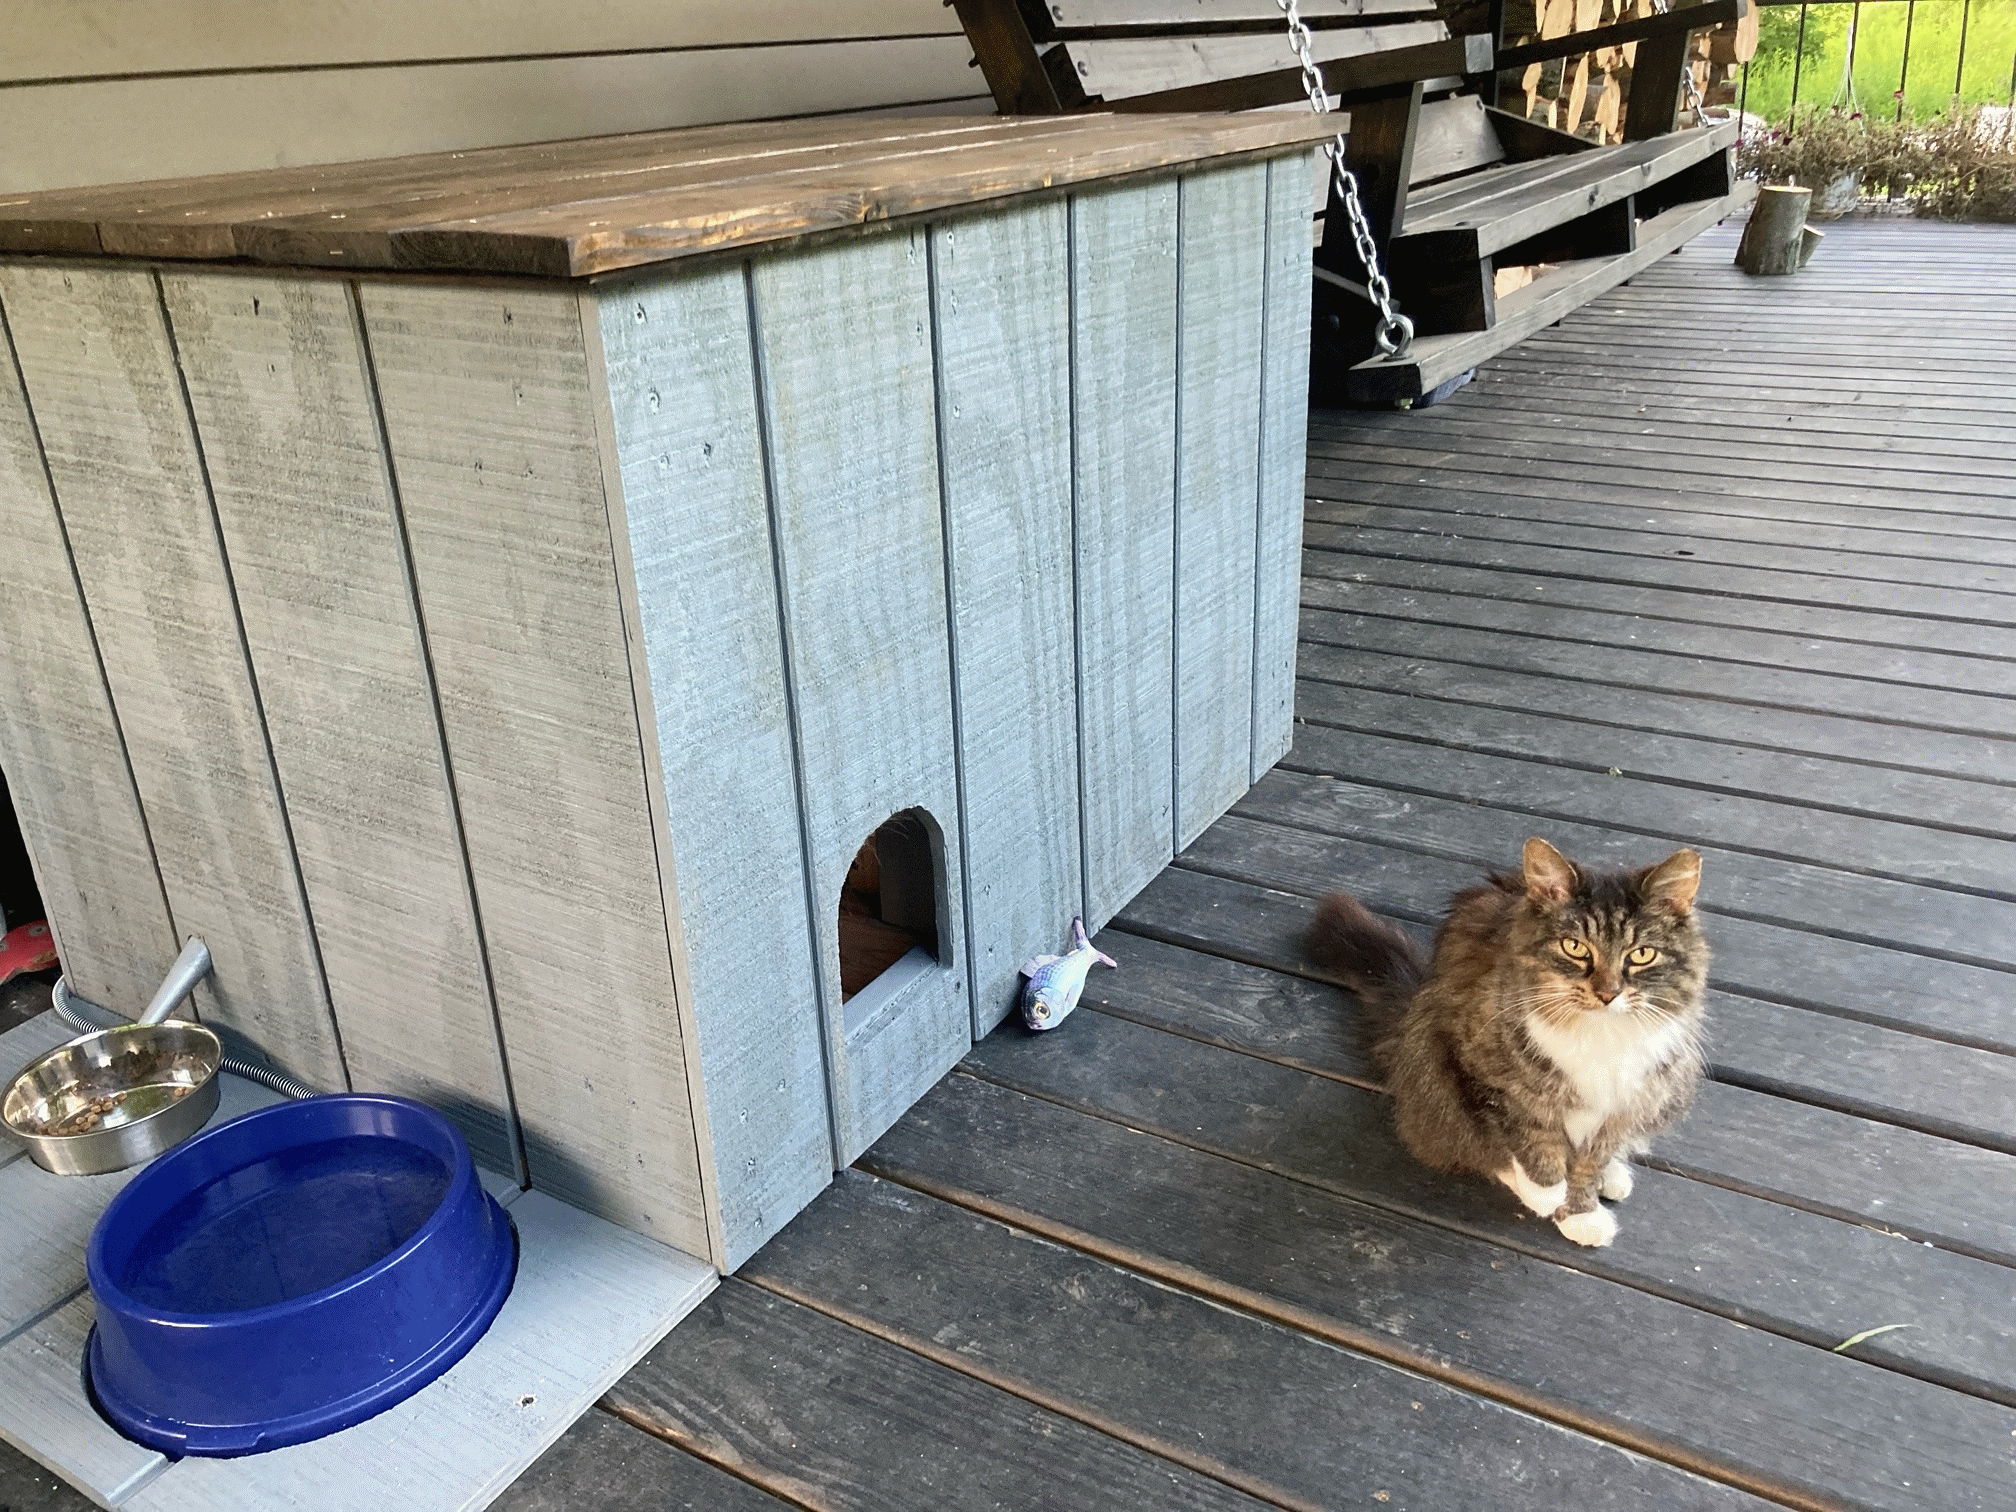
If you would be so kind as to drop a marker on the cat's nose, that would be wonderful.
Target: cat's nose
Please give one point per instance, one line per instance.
(1615, 1001)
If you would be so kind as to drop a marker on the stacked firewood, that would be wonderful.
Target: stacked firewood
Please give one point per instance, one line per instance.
(1585, 94)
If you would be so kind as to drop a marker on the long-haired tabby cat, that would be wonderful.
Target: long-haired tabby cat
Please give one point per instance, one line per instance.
(1553, 1032)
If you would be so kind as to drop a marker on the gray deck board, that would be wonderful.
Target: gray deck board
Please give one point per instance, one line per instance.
(1730, 539)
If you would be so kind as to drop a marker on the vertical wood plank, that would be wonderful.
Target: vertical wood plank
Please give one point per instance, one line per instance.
(1284, 437)
(60, 743)
(844, 343)
(1223, 221)
(102, 376)
(1123, 363)
(681, 385)
(1001, 303)
(485, 396)
(282, 400)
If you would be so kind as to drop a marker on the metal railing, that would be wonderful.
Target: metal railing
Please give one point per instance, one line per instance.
(1844, 60)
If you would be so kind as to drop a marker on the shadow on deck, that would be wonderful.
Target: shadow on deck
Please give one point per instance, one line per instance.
(1716, 562)
(1719, 562)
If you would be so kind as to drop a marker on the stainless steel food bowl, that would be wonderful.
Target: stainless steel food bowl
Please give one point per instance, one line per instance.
(111, 1099)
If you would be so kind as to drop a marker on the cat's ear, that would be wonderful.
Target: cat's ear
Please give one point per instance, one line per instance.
(1549, 875)
(1674, 881)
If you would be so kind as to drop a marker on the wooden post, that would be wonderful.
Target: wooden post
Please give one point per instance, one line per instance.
(1007, 57)
(1380, 153)
(1777, 238)
(1653, 106)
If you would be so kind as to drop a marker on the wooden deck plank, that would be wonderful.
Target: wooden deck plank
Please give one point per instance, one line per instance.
(1830, 743)
(1900, 1177)
(1289, 835)
(26, 1486)
(1772, 961)
(1737, 681)
(1435, 1301)
(1787, 536)
(1289, 1418)
(602, 1464)
(1759, 700)
(1890, 612)
(1659, 482)
(1708, 763)
(822, 1413)
(1896, 1068)
(1859, 476)
(1951, 639)
(1872, 886)
(1235, 1087)
(1984, 686)
(1620, 424)
(1788, 425)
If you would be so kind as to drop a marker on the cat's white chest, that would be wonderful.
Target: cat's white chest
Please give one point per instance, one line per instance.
(1606, 1058)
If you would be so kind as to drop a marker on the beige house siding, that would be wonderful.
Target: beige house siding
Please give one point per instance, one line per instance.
(103, 91)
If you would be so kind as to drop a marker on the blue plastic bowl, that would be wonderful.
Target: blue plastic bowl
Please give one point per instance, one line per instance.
(291, 1273)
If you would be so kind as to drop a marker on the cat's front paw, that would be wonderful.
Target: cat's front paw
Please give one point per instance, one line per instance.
(1617, 1181)
(1540, 1201)
(1595, 1228)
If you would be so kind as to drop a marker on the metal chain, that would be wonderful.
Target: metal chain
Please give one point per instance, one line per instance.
(1395, 332)
(1694, 100)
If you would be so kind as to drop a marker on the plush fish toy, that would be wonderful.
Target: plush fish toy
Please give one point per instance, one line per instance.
(1056, 981)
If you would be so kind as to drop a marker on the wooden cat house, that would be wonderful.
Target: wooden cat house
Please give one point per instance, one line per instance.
(634, 642)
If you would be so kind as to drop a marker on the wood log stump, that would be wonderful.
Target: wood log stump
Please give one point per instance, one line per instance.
(1777, 238)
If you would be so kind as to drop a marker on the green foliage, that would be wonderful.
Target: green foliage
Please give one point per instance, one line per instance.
(1959, 166)
(1879, 34)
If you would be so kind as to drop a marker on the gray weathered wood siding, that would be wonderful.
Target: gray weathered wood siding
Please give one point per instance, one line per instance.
(844, 354)
(1220, 283)
(690, 449)
(101, 374)
(105, 91)
(1123, 381)
(1284, 431)
(79, 815)
(283, 402)
(503, 676)
(492, 436)
(1001, 296)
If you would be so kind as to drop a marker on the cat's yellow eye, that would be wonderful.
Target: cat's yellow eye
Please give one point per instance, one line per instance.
(1644, 955)
(1574, 949)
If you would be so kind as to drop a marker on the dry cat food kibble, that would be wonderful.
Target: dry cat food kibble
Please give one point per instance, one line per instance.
(87, 1118)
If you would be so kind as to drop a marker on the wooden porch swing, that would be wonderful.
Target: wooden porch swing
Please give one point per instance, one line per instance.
(1454, 191)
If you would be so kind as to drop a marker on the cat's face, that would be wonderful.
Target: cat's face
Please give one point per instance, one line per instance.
(1612, 943)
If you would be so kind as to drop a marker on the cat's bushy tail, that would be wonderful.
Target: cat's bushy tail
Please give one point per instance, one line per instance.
(1373, 958)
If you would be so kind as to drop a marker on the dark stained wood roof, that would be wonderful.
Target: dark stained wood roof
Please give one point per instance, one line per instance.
(561, 209)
